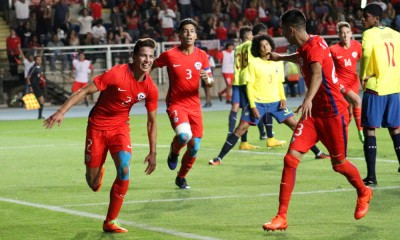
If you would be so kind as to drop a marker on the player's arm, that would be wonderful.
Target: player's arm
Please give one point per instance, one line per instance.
(365, 59)
(273, 56)
(152, 136)
(75, 98)
(316, 80)
(249, 76)
(281, 90)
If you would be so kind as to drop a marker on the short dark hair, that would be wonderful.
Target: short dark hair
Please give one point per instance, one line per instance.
(259, 27)
(143, 42)
(294, 18)
(243, 31)
(255, 44)
(187, 21)
(374, 9)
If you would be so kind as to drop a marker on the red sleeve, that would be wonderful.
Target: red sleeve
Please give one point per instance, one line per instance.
(152, 99)
(317, 54)
(104, 80)
(161, 61)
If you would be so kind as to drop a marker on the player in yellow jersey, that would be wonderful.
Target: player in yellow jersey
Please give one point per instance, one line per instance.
(380, 78)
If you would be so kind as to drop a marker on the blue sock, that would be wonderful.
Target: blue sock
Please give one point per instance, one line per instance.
(230, 142)
(268, 124)
(370, 155)
(396, 144)
(243, 138)
(232, 121)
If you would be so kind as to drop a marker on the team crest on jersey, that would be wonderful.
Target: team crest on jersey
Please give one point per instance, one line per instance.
(141, 96)
(354, 54)
(197, 65)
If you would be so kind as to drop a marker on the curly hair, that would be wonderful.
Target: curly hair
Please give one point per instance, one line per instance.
(255, 44)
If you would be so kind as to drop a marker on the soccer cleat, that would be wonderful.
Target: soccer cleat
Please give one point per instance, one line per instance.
(181, 183)
(263, 136)
(100, 179)
(277, 223)
(363, 204)
(207, 105)
(322, 155)
(220, 97)
(361, 135)
(272, 142)
(172, 159)
(215, 161)
(247, 146)
(113, 227)
(368, 181)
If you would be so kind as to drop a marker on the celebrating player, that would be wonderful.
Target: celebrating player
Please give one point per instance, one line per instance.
(324, 116)
(379, 75)
(108, 127)
(345, 55)
(187, 66)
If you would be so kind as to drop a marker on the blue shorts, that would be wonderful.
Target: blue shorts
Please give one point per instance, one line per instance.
(244, 101)
(235, 94)
(380, 111)
(266, 108)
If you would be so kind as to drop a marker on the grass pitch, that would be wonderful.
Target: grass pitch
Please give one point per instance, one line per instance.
(43, 193)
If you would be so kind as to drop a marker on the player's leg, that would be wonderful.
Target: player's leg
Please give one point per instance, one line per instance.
(234, 109)
(392, 122)
(280, 115)
(188, 159)
(261, 127)
(355, 101)
(245, 106)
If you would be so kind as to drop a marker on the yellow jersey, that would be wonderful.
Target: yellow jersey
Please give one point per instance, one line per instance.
(381, 59)
(238, 63)
(264, 81)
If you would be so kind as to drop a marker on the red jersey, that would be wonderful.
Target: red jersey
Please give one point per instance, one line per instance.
(184, 75)
(119, 91)
(328, 101)
(12, 45)
(96, 10)
(346, 61)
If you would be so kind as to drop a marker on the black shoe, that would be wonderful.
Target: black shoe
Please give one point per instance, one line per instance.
(181, 183)
(40, 118)
(207, 105)
(370, 182)
(172, 159)
(228, 102)
(220, 97)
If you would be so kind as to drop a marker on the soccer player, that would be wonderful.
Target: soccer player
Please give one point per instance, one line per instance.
(36, 82)
(108, 127)
(345, 55)
(324, 116)
(265, 92)
(81, 68)
(187, 65)
(227, 69)
(379, 75)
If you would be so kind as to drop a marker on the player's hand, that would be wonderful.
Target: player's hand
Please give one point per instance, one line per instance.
(273, 56)
(57, 117)
(151, 163)
(283, 104)
(364, 81)
(255, 113)
(305, 109)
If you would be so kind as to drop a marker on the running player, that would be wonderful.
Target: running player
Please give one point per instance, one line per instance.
(108, 127)
(379, 75)
(345, 55)
(324, 116)
(187, 65)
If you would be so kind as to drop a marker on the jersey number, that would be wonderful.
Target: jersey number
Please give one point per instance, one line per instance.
(188, 74)
(390, 46)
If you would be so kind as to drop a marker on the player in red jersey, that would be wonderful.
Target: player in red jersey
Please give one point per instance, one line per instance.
(186, 65)
(324, 116)
(345, 55)
(108, 127)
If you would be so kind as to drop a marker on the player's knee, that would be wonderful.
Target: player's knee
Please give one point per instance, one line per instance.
(92, 181)
(291, 161)
(183, 133)
(196, 147)
(123, 169)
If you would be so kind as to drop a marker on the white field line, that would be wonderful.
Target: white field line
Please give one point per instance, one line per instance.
(229, 196)
(100, 217)
(168, 146)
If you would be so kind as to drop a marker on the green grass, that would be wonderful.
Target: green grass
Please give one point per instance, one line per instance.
(43, 193)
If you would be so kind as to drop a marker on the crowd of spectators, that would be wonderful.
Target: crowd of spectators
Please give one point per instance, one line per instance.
(40, 23)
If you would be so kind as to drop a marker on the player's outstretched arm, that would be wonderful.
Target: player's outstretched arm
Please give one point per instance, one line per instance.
(75, 98)
(152, 136)
(273, 56)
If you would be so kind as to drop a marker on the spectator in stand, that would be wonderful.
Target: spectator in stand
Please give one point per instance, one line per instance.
(185, 8)
(263, 13)
(321, 9)
(251, 12)
(234, 9)
(56, 54)
(209, 28)
(148, 31)
(222, 33)
(170, 3)
(13, 44)
(72, 39)
(43, 18)
(25, 33)
(99, 32)
(116, 20)
(61, 15)
(233, 31)
(166, 17)
(313, 23)
(357, 20)
(329, 25)
(132, 24)
(390, 11)
(113, 40)
(89, 40)
(96, 7)
(85, 23)
(22, 10)
(33, 45)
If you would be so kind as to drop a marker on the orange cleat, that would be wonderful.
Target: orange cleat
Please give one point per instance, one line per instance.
(322, 155)
(101, 179)
(113, 227)
(215, 161)
(363, 204)
(277, 223)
